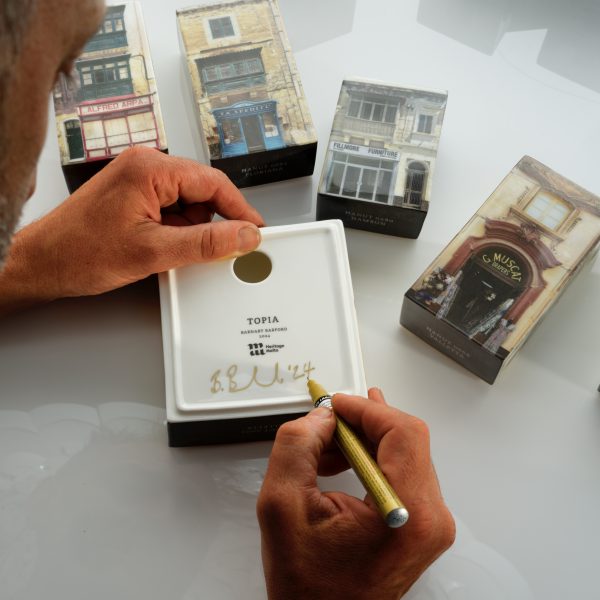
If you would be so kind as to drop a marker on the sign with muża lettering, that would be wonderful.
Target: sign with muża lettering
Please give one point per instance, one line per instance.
(502, 261)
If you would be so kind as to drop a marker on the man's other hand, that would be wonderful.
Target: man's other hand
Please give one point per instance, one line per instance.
(121, 226)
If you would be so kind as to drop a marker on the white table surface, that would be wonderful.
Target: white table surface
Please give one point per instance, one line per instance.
(94, 505)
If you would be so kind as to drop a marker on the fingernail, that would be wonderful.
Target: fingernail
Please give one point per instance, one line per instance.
(321, 413)
(248, 238)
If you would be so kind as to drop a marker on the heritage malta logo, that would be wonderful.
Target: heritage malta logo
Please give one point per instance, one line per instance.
(256, 349)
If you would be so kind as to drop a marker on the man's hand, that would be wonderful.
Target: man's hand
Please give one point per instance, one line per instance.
(111, 231)
(331, 545)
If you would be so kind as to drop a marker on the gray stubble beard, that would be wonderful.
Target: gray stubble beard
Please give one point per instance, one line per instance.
(10, 213)
(14, 17)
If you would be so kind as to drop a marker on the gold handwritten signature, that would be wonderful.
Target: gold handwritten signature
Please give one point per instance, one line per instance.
(230, 380)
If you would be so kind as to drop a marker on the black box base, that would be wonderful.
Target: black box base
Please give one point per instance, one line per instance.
(450, 341)
(76, 174)
(269, 166)
(371, 216)
(226, 431)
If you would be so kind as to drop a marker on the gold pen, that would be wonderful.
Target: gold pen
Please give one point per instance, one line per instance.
(388, 504)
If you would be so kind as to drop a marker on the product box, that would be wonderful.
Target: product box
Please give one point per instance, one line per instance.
(241, 336)
(110, 101)
(483, 295)
(380, 159)
(253, 119)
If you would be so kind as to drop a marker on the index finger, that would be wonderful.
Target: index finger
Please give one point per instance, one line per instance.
(173, 178)
(201, 183)
(376, 419)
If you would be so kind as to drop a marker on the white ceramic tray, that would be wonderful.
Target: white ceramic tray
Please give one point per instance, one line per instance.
(236, 349)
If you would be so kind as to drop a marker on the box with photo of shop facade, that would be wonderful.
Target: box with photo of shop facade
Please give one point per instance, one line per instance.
(253, 119)
(482, 296)
(380, 159)
(110, 102)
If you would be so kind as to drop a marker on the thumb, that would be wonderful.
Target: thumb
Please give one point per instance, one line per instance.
(298, 447)
(179, 246)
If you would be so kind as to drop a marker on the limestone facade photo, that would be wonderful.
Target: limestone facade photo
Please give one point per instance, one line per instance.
(246, 88)
(383, 144)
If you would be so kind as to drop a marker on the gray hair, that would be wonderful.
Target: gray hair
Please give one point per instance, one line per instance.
(14, 17)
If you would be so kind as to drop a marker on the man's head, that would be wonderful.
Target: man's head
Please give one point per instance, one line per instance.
(38, 40)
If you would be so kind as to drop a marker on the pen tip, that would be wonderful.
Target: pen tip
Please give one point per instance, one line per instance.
(316, 390)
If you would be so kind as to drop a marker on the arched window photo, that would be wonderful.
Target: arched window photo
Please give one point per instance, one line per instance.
(416, 179)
